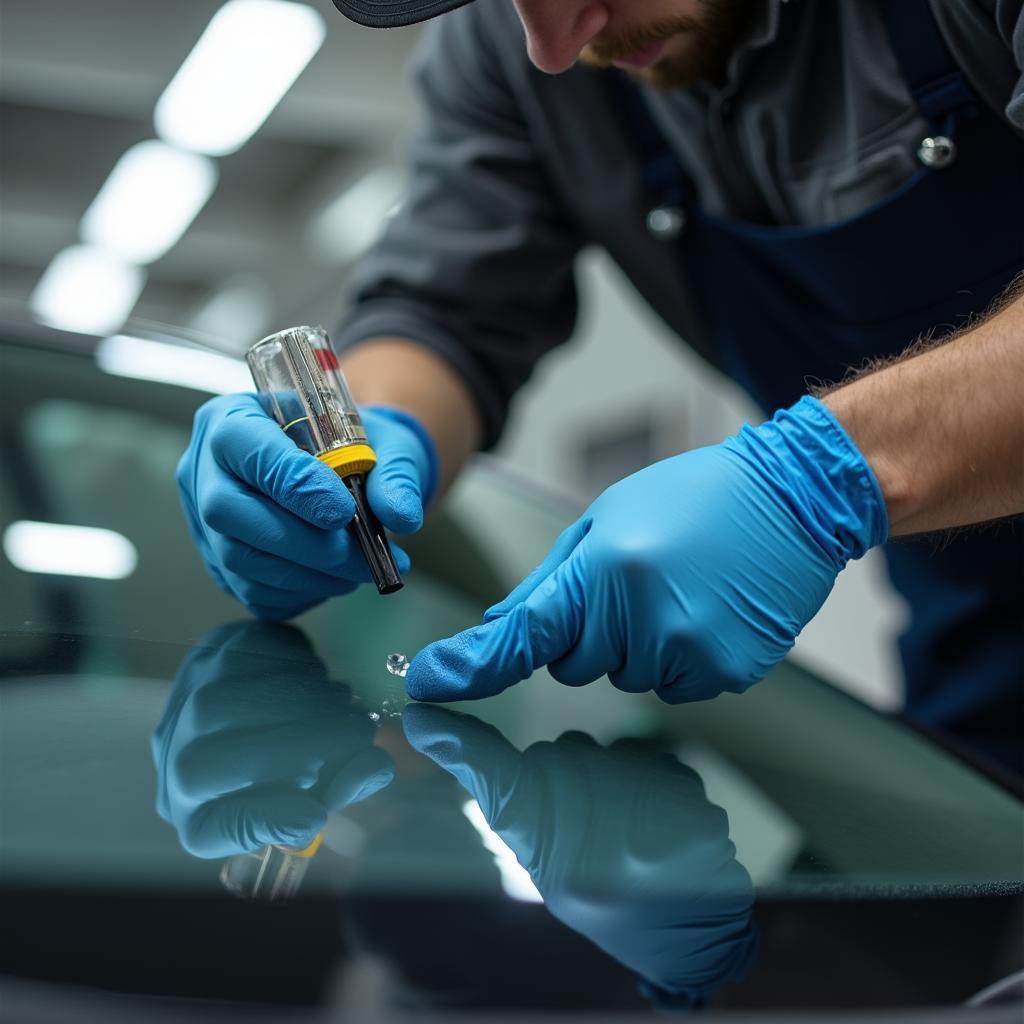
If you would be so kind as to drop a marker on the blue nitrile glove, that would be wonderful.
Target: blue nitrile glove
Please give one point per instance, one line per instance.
(622, 844)
(257, 745)
(688, 578)
(269, 518)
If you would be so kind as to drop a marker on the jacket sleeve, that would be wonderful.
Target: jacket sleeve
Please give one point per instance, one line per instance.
(477, 264)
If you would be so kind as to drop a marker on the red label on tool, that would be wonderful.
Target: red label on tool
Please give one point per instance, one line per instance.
(326, 358)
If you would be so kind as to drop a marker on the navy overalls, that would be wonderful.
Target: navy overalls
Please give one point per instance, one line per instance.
(784, 304)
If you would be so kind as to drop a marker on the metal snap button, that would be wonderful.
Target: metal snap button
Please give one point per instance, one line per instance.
(666, 222)
(937, 151)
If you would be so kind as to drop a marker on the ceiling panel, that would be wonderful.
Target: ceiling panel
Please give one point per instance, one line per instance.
(78, 83)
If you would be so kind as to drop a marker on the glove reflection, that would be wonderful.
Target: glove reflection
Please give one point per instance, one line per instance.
(257, 746)
(623, 845)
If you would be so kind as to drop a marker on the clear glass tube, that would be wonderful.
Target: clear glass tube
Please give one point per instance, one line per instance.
(273, 873)
(301, 386)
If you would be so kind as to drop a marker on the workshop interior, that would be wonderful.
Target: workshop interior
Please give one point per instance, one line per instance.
(404, 615)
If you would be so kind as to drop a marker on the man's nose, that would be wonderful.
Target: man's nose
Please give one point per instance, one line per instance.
(556, 30)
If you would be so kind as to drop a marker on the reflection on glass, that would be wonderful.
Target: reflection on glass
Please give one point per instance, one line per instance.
(622, 845)
(255, 748)
(273, 874)
(63, 550)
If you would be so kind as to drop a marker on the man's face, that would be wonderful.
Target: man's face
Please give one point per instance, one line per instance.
(666, 43)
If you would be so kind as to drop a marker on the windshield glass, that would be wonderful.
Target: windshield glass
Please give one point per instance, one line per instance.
(155, 740)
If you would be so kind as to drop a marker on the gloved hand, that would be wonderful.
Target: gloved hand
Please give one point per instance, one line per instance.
(621, 843)
(269, 518)
(691, 577)
(257, 745)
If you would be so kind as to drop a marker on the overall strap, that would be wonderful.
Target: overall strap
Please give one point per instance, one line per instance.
(664, 178)
(928, 68)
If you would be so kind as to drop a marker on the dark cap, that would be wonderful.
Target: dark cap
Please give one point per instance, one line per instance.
(394, 13)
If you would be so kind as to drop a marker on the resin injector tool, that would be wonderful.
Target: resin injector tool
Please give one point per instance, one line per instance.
(302, 387)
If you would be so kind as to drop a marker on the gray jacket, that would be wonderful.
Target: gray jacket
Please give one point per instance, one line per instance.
(513, 171)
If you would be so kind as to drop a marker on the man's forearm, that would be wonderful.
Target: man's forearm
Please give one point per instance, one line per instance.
(394, 371)
(943, 428)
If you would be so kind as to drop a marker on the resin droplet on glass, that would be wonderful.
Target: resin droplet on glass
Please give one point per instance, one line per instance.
(398, 664)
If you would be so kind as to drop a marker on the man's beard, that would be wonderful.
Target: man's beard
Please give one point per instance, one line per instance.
(710, 35)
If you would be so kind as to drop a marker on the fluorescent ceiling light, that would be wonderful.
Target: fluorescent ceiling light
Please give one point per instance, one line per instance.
(352, 222)
(69, 550)
(515, 879)
(143, 359)
(88, 290)
(246, 60)
(151, 197)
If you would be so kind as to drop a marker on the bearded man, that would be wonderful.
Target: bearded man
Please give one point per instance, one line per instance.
(826, 190)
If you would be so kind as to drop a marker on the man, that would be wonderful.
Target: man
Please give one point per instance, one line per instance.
(798, 189)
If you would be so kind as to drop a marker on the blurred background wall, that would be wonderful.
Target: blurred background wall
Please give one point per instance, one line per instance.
(283, 217)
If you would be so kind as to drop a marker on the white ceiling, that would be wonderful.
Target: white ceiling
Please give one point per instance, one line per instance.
(78, 83)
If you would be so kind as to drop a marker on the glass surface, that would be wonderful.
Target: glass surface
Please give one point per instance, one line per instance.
(158, 745)
(300, 384)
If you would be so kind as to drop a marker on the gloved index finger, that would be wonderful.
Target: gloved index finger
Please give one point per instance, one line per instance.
(485, 660)
(482, 760)
(252, 447)
(565, 543)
